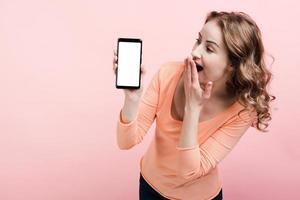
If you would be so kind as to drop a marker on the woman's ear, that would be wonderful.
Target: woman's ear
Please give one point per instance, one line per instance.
(230, 67)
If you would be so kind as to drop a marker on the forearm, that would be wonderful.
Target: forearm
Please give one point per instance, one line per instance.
(189, 130)
(188, 155)
(127, 132)
(129, 110)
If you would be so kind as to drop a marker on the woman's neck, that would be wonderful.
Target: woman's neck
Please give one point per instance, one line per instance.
(220, 94)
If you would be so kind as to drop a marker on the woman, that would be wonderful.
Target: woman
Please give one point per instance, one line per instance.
(202, 107)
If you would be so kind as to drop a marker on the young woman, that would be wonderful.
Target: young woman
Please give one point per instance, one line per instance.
(202, 108)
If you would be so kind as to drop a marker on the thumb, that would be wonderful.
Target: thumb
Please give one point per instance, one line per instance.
(207, 91)
(143, 72)
(143, 69)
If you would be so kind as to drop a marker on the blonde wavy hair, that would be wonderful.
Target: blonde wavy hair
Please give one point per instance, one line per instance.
(250, 77)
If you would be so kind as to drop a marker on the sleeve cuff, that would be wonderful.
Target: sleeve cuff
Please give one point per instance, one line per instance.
(187, 148)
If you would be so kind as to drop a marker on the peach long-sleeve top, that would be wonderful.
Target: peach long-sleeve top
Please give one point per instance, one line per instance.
(181, 173)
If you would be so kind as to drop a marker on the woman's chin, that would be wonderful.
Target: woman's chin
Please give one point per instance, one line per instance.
(201, 77)
(202, 80)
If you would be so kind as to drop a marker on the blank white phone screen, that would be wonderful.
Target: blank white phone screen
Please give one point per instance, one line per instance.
(129, 63)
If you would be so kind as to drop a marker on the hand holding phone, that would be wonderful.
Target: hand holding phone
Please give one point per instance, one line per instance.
(128, 68)
(129, 61)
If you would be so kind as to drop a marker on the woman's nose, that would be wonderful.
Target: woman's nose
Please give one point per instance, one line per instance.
(197, 53)
(195, 56)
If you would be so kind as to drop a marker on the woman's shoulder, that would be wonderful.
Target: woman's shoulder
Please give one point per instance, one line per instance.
(169, 69)
(241, 113)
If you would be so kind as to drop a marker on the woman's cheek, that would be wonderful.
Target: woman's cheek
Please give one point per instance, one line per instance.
(213, 74)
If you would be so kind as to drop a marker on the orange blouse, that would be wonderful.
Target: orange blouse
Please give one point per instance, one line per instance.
(181, 173)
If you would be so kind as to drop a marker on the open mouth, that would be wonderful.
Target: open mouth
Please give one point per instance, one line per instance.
(199, 67)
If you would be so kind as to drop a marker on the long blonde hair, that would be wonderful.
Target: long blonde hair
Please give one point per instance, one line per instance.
(250, 77)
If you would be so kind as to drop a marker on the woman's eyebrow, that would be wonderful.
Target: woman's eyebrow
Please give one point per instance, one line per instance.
(210, 41)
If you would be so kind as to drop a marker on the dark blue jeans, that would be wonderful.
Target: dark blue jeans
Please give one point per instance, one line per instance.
(146, 192)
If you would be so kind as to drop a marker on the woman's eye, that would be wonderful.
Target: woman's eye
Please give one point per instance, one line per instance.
(209, 50)
(198, 41)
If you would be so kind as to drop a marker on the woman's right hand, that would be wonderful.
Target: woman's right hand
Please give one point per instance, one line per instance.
(130, 94)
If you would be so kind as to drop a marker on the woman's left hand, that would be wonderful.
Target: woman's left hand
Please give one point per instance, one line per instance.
(194, 94)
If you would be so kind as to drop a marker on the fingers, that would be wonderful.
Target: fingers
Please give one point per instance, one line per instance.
(187, 74)
(143, 70)
(194, 73)
(115, 55)
(185, 79)
(115, 61)
(191, 72)
(208, 89)
(191, 78)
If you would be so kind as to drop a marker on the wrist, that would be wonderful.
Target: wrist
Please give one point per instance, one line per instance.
(192, 110)
(191, 115)
(129, 110)
(131, 101)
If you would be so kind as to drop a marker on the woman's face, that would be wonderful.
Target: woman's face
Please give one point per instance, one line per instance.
(210, 53)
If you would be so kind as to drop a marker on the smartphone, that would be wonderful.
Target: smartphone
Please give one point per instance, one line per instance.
(128, 74)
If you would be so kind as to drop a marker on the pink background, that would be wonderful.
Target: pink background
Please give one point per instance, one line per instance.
(59, 106)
